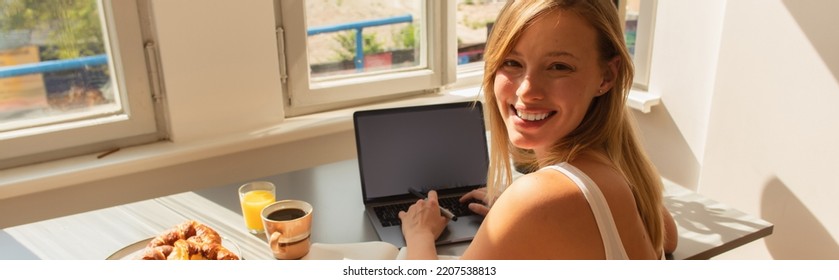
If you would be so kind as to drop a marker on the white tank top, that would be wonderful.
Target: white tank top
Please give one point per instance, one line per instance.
(605, 223)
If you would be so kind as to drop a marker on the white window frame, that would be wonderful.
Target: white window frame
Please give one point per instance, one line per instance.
(472, 73)
(136, 123)
(303, 97)
(643, 41)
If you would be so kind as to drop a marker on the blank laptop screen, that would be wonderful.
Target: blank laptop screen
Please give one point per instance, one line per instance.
(424, 147)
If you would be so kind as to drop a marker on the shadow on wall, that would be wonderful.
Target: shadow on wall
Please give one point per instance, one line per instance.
(817, 20)
(667, 147)
(798, 233)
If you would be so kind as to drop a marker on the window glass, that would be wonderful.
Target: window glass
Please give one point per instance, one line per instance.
(73, 79)
(633, 8)
(336, 53)
(53, 63)
(639, 16)
(474, 22)
(351, 37)
(475, 19)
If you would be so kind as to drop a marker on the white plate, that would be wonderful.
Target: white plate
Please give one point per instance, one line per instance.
(135, 250)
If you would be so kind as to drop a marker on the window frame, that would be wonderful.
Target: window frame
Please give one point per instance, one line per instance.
(643, 40)
(304, 97)
(469, 74)
(136, 123)
(472, 73)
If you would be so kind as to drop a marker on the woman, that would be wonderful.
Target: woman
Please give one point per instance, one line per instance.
(556, 78)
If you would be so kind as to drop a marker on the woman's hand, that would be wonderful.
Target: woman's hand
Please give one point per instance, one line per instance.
(423, 220)
(479, 194)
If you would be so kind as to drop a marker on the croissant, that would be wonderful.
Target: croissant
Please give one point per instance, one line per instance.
(189, 240)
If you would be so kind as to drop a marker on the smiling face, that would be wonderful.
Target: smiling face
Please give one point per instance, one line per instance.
(545, 84)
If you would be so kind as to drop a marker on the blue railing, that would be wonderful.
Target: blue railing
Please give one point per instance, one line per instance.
(52, 65)
(358, 26)
(95, 60)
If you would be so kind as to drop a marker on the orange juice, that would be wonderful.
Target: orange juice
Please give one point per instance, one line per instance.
(252, 204)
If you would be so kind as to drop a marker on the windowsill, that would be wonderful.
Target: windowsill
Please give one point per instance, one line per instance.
(642, 100)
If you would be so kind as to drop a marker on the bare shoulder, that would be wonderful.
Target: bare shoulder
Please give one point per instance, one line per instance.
(541, 215)
(544, 192)
(543, 188)
(609, 181)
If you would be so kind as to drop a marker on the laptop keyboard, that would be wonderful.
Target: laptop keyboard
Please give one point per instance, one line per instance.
(389, 214)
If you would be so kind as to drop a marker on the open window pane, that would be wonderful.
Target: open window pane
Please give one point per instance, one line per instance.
(406, 49)
(639, 16)
(474, 22)
(73, 79)
(53, 63)
(633, 8)
(352, 37)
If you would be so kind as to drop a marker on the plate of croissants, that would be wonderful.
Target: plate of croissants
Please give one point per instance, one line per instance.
(190, 240)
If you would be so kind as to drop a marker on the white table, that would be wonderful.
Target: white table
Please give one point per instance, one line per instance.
(706, 228)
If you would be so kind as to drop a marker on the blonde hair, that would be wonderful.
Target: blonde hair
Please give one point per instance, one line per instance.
(607, 126)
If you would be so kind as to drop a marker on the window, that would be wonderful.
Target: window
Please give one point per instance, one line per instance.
(72, 79)
(475, 19)
(339, 53)
(639, 16)
(385, 49)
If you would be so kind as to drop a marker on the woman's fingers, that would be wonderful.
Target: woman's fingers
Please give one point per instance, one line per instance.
(432, 195)
(423, 216)
(476, 194)
(479, 194)
(479, 209)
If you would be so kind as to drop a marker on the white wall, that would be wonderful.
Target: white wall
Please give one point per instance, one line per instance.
(682, 71)
(756, 126)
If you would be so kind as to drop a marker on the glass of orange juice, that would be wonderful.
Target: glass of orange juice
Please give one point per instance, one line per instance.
(253, 197)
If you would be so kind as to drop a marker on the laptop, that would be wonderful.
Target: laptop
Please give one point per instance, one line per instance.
(441, 147)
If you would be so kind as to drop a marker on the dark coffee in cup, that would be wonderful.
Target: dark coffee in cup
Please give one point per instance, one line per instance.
(288, 226)
(286, 214)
